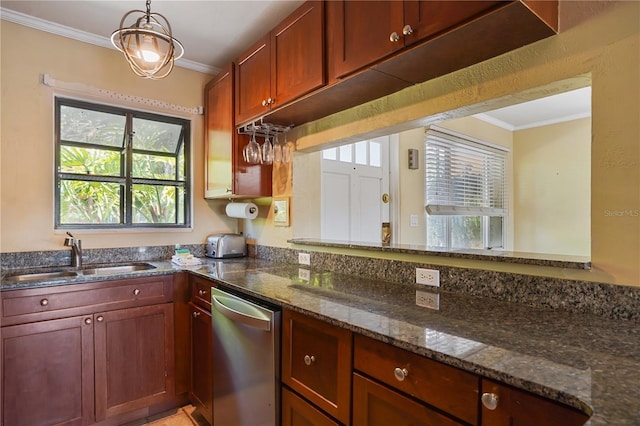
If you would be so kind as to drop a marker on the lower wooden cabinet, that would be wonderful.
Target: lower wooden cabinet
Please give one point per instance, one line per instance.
(316, 363)
(133, 359)
(115, 357)
(506, 406)
(48, 373)
(298, 412)
(378, 405)
(201, 389)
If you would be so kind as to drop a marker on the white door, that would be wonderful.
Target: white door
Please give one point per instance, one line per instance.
(354, 179)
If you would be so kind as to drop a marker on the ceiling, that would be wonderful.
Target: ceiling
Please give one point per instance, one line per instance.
(214, 32)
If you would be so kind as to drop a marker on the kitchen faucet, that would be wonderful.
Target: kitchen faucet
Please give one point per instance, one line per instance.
(76, 250)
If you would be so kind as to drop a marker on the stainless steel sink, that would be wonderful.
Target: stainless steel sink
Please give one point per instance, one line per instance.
(117, 269)
(41, 276)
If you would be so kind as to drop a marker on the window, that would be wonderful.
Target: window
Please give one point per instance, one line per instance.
(465, 191)
(118, 168)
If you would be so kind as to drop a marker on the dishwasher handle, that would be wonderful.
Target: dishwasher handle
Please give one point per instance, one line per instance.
(241, 317)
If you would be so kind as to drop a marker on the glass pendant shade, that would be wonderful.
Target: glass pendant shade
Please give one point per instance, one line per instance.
(146, 41)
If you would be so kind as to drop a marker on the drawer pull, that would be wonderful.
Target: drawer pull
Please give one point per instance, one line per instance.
(196, 314)
(308, 360)
(201, 292)
(100, 318)
(44, 302)
(136, 292)
(88, 321)
(400, 373)
(490, 400)
(394, 37)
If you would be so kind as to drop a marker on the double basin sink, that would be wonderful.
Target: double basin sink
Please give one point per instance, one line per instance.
(89, 270)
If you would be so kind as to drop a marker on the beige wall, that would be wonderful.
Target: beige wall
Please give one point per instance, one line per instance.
(599, 46)
(27, 144)
(552, 181)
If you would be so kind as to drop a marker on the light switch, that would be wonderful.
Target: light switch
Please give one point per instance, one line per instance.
(413, 220)
(413, 159)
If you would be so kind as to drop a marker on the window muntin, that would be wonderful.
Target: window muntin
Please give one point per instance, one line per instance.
(465, 192)
(120, 168)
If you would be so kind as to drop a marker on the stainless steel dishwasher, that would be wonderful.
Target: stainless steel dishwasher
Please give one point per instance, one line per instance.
(246, 361)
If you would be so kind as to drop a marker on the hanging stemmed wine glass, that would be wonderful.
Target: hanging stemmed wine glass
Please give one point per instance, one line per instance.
(277, 149)
(267, 150)
(286, 150)
(251, 152)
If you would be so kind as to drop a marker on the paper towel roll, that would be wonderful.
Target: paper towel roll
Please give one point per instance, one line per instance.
(242, 210)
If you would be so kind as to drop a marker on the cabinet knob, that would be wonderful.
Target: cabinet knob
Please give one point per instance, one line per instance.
(400, 373)
(136, 292)
(201, 292)
(88, 321)
(309, 359)
(490, 400)
(264, 102)
(100, 318)
(196, 314)
(44, 302)
(394, 37)
(407, 30)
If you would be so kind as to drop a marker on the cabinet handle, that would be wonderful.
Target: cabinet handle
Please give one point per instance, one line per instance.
(400, 373)
(272, 101)
(136, 292)
(264, 102)
(100, 318)
(407, 30)
(201, 292)
(88, 321)
(44, 302)
(196, 314)
(394, 37)
(490, 400)
(309, 359)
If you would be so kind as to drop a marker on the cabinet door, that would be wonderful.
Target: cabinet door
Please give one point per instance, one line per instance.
(201, 391)
(133, 359)
(253, 81)
(297, 54)
(428, 17)
(219, 135)
(48, 373)
(298, 412)
(316, 362)
(359, 33)
(376, 405)
(515, 407)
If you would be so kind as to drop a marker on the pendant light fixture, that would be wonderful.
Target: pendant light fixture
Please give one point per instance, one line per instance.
(147, 43)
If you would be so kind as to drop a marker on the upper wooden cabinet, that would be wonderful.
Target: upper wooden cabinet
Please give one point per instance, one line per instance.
(227, 175)
(283, 65)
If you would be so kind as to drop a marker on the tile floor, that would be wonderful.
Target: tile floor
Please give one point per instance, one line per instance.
(183, 416)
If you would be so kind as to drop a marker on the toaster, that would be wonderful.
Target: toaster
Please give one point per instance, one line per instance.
(222, 246)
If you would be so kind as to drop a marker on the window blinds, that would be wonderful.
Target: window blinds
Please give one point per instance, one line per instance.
(463, 176)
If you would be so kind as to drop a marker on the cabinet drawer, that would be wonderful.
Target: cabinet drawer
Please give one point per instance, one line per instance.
(316, 362)
(298, 412)
(447, 388)
(201, 292)
(514, 406)
(37, 304)
(377, 405)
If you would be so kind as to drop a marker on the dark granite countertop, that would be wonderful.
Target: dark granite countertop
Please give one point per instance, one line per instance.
(585, 361)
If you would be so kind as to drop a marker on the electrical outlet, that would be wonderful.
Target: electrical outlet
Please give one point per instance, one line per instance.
(304, 258)
(428, 277)
(304, 274)
(427, 299)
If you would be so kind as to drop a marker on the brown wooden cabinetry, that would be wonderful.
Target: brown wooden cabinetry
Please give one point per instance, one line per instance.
(504, 406)
(316, 363)
(298, 412)
(201, 389)
(227, 175)
(283, 65)
(447, 388)
(67, 346)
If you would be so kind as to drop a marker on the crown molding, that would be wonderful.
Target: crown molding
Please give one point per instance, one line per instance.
(86, 37)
